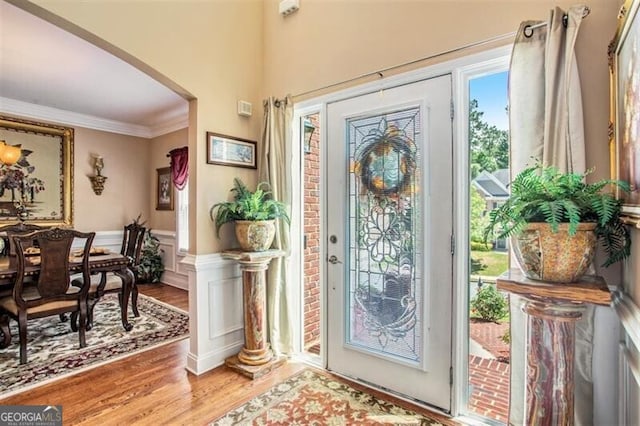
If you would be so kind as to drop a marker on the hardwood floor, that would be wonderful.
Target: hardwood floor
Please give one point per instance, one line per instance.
(154, 387)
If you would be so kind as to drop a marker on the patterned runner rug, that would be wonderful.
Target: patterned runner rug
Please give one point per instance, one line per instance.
(53, 349)
(313, 398)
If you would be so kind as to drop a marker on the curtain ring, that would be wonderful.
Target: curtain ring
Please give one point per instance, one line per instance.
(528, 31)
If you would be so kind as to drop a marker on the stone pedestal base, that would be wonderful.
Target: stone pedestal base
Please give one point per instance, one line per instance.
(254, 371)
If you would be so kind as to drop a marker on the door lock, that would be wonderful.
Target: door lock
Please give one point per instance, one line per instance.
(333, 260)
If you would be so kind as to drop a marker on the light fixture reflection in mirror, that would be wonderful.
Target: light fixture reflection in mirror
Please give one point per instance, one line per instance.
(9, 154)
(97, 181)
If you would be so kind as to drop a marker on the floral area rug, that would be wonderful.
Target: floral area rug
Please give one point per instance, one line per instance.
(312, 398)
(53, 350)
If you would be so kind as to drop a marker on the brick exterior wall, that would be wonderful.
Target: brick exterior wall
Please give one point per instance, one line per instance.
(312, 232)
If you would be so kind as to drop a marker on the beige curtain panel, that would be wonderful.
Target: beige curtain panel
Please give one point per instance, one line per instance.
(274, 167)
(546, 125)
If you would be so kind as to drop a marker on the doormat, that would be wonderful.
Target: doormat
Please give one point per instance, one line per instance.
(313, 398)
(53, 350)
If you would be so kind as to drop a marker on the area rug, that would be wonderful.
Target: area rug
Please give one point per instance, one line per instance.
(54, 352)
(312, 398)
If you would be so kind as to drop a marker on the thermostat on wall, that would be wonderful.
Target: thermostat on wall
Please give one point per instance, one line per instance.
(244, 108)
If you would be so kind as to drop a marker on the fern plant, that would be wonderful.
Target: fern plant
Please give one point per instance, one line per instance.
(544, 194)
(150, 268)
(248, 205)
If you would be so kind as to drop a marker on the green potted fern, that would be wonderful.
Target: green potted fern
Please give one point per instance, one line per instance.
(254, 214)
(150, 268)
(554, 221)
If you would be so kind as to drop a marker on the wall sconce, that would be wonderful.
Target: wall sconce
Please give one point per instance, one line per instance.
(309, 128)
(97, 181)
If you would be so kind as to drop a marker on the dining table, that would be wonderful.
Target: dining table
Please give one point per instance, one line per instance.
(107, 262)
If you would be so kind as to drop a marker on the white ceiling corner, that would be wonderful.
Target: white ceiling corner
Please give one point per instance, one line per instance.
(49, 74)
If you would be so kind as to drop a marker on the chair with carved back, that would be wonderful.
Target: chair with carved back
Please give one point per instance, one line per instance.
(20, 228)
(7, 233)
(8, 249)
(52, 292)
(108, 282)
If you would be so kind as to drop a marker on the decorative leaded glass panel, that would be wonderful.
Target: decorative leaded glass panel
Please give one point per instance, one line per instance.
(385, 235)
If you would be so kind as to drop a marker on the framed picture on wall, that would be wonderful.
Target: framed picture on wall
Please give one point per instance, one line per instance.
(164, 195)
(231, 151)
(624, 61)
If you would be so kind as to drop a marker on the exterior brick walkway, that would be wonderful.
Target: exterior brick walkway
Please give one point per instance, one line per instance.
(489, 380)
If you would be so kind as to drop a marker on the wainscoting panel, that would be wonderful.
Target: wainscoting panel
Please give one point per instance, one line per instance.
(224, 318)
(629, 373)
(215, 311)
(109, 239)
(174, 274)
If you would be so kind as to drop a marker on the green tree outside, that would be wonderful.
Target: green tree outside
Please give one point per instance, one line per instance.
(489, 145)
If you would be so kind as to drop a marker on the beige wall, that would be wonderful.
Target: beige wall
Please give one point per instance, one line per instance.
(215, 51)
(327, 42)
(158, 150)
(212, 49)
(126, 166)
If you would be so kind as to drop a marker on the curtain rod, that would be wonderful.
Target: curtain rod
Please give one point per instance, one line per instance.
(528, 29)
(381, 72)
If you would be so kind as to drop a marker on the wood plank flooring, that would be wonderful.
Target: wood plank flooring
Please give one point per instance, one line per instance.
(152, 387)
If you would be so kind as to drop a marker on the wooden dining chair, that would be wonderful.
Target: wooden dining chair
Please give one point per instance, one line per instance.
(108, 282)
(7, 233)
(20, 228)
(52, 293)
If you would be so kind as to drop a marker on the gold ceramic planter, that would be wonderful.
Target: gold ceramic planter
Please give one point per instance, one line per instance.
(255, 235)
(556, 257)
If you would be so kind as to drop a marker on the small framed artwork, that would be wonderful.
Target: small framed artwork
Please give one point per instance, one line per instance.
(165, 189)
(624, 60)
(231, 151)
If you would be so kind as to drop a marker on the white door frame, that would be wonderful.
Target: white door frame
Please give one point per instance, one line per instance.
(462, 70)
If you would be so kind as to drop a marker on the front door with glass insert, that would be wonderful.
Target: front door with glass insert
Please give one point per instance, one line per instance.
(389, 264)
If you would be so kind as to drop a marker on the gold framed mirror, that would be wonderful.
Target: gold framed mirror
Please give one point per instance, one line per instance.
(624, 66)
(40, 183)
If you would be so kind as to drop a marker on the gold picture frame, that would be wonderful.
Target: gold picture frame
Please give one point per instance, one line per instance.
(624, 125)
(46, 169)
(164, 193)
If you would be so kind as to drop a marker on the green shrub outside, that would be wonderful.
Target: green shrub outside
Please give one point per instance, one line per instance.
(489, 304)
(480, 246)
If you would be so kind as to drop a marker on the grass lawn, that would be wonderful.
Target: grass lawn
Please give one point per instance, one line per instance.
(497, 262)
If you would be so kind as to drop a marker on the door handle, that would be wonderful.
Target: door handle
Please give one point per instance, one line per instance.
(333, 260)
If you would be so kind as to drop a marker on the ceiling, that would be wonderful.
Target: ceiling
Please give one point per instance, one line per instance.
(43, 67)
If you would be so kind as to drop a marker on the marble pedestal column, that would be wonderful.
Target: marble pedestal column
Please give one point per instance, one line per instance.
(550, 362)
(256, 357)
(552, 310)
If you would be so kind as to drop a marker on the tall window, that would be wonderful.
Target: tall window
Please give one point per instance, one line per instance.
(489, 187)
(182, 219)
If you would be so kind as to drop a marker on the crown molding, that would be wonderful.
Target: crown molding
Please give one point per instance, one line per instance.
(175, 119)
(169, 122)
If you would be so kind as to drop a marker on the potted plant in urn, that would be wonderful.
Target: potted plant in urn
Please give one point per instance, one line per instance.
(554, 220)
(254, 214)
